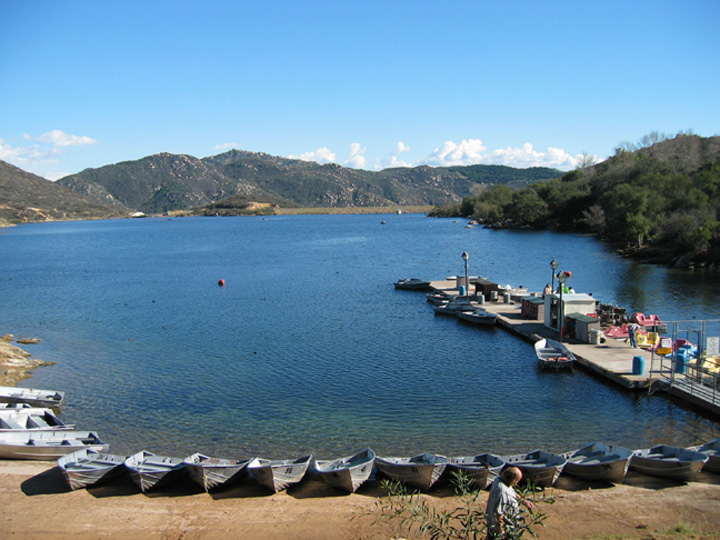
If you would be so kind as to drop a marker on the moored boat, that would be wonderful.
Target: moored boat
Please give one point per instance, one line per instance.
(481, 470)
(347, 473)
(712, 450)
(278, 474)
(478, 316)
(31, 419)
(32, 396)
(421, 471)
(438, 297)
(47, 445)
(669, 462)
(598, 462)
(413, 284)
(553, 354)
(453, 307)
(210, 472)
(149, 471)
(539, 467)
(85, 468)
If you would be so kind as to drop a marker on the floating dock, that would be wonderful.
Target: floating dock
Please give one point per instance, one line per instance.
(611, 360)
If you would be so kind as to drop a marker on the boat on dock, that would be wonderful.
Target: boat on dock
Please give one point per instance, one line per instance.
(478, 316)
(712, 450)
(31, 419)
(211, 473)
(149, 470)
(33, 396)
(669, 462)
(539, 467)
(598, 462)
(553, 354)
(481, 470)
(421, 471)
(47, 445)
(278, 474)
(86, 468)
(347, 473)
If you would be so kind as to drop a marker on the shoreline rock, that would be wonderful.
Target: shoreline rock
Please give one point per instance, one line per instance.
(16, 364)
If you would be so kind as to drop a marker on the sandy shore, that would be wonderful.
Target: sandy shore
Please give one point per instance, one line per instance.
(38, 504)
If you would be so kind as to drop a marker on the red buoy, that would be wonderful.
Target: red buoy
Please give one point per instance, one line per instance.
(221, 282)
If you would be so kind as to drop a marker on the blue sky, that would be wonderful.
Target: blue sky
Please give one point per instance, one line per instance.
(367, 84)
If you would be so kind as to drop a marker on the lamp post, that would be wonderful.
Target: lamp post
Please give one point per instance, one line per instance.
(562, 278)
(553, 266)
(465, 258)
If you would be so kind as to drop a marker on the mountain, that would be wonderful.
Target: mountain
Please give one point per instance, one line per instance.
(25, 197)
(169, 182)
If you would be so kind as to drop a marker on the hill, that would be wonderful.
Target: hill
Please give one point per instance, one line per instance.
(236, 180)
(25, 197)
(659, 199)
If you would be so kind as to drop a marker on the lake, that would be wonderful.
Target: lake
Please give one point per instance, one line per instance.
(308, 348)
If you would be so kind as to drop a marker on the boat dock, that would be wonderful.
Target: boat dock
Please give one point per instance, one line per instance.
(611, 359)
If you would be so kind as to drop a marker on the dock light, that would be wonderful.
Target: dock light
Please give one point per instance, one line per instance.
(465, 258)
(553, 266)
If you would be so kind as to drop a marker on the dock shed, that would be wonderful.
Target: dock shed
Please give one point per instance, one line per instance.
(578, 303)
(486, 288)
(533, 307)
(582, 327)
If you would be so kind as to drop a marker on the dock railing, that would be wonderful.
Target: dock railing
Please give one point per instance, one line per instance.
(687, 361)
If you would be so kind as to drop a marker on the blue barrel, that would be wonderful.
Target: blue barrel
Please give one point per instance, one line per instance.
(463, 290)
(681, 359)
(638, 365)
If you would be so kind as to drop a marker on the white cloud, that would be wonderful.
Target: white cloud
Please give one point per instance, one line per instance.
(27, 156)
(467, 152)
(356, 159)
(400, 148)
(226, 146)
(321, 155)
(60, 138)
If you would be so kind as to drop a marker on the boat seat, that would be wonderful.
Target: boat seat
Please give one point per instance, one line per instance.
(39, 422)
(9, 423)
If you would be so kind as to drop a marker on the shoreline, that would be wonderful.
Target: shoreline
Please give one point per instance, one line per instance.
(17, 364)
(38, 504)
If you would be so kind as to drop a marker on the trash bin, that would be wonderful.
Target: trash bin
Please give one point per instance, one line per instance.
(681, 360)
(506, 298)
(638, 365)
(463, 290)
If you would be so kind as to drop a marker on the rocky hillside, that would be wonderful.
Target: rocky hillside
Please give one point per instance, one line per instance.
(25, 197)
(168, 182)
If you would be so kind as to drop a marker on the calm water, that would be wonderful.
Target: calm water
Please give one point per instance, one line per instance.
(308, 348)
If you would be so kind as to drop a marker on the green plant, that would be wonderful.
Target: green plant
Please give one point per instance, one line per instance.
(466, 521)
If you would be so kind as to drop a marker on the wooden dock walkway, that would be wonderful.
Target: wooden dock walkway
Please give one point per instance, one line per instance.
(610, 360)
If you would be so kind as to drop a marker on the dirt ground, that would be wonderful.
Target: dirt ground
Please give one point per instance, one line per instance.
(38, 504)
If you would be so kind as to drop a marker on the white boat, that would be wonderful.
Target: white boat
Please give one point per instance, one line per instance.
(31, 419)
(347, 473)
(481, 469)
(438, 297)
(598, 462)
(553, 354)
(33, 396)
(278, 474)
(669, 462)
(453, 307)
(712, 450)
(421, 471)
(212, 472)
(539, 467)
(478, 316)
(85, 468)
(152, 471)
(413, 284)
(47, 445)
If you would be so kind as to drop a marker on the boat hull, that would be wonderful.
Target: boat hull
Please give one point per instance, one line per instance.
(278, 475)
(48, 445)
(539, 467)
(481, 470)
(598, 462)
(420, 472)
(211, 473)
(32, 396)
(347, 474)
(669, 462)
(87, 468)
(712, 451)
(150, 471)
